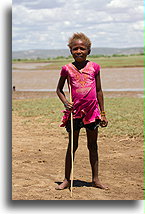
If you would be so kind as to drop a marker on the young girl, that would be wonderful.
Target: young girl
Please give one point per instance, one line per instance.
(88, 105)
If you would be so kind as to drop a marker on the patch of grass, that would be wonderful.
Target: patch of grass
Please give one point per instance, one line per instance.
(125, 115)
(44, 108)
(105, 62)
(123, 61)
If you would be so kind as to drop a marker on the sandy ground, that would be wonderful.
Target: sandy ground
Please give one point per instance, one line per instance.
(38, 160)
(38, 164)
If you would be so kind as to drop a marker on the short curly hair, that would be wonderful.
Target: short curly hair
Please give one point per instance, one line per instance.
(79, 36)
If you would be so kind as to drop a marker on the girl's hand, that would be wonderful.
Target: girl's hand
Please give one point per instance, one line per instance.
(68, 105)
(104, 121)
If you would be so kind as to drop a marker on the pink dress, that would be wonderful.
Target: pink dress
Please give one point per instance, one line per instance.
(84, 95)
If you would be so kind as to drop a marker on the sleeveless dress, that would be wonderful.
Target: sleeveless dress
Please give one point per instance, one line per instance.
(84, 94)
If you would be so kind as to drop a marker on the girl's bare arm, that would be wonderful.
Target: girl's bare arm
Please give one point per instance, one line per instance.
(100, 98)
(61, 93)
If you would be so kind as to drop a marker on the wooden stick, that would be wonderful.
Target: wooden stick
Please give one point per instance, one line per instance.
(71, 144)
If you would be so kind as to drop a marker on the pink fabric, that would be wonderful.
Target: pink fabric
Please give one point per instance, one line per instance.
(84, 95)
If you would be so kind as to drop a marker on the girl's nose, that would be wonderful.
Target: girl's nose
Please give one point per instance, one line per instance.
(78, 50)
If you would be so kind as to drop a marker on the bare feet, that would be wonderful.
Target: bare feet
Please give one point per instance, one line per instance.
(64, 185)
(98, 184)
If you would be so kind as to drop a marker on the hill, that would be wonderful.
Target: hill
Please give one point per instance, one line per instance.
(52, 53)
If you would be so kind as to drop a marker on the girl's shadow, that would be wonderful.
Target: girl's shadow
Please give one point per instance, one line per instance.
(78, 183)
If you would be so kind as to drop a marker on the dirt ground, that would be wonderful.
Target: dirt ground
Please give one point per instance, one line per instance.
(38, 161)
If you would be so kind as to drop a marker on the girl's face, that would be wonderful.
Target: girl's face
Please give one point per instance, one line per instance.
(79, 51)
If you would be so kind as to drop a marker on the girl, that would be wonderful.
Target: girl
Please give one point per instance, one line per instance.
(88, 105)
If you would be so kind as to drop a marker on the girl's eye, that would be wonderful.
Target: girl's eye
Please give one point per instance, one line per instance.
(75, 49)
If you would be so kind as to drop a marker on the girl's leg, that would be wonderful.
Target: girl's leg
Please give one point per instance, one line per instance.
(68, 163)
(92, 136)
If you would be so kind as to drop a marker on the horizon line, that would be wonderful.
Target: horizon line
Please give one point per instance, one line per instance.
(68, 48)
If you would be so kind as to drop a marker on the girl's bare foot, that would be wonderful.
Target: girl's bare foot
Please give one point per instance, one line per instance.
(63, 185)
(98, 184)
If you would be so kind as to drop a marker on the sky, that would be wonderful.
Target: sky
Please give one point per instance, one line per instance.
(47, 24)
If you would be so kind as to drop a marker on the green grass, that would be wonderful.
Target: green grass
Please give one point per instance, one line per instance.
(125, 115)
(116, 62)
(105, 62)
(44, 108)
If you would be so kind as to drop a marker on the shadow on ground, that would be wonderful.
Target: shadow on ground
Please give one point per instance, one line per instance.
(78, 183)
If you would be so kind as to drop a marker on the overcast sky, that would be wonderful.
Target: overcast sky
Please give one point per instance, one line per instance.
(47, 24)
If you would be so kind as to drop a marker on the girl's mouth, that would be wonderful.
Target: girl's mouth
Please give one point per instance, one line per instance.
(78, 56)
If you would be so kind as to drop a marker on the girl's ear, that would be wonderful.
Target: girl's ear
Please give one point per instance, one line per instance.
(89, 51)
(70, 50)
